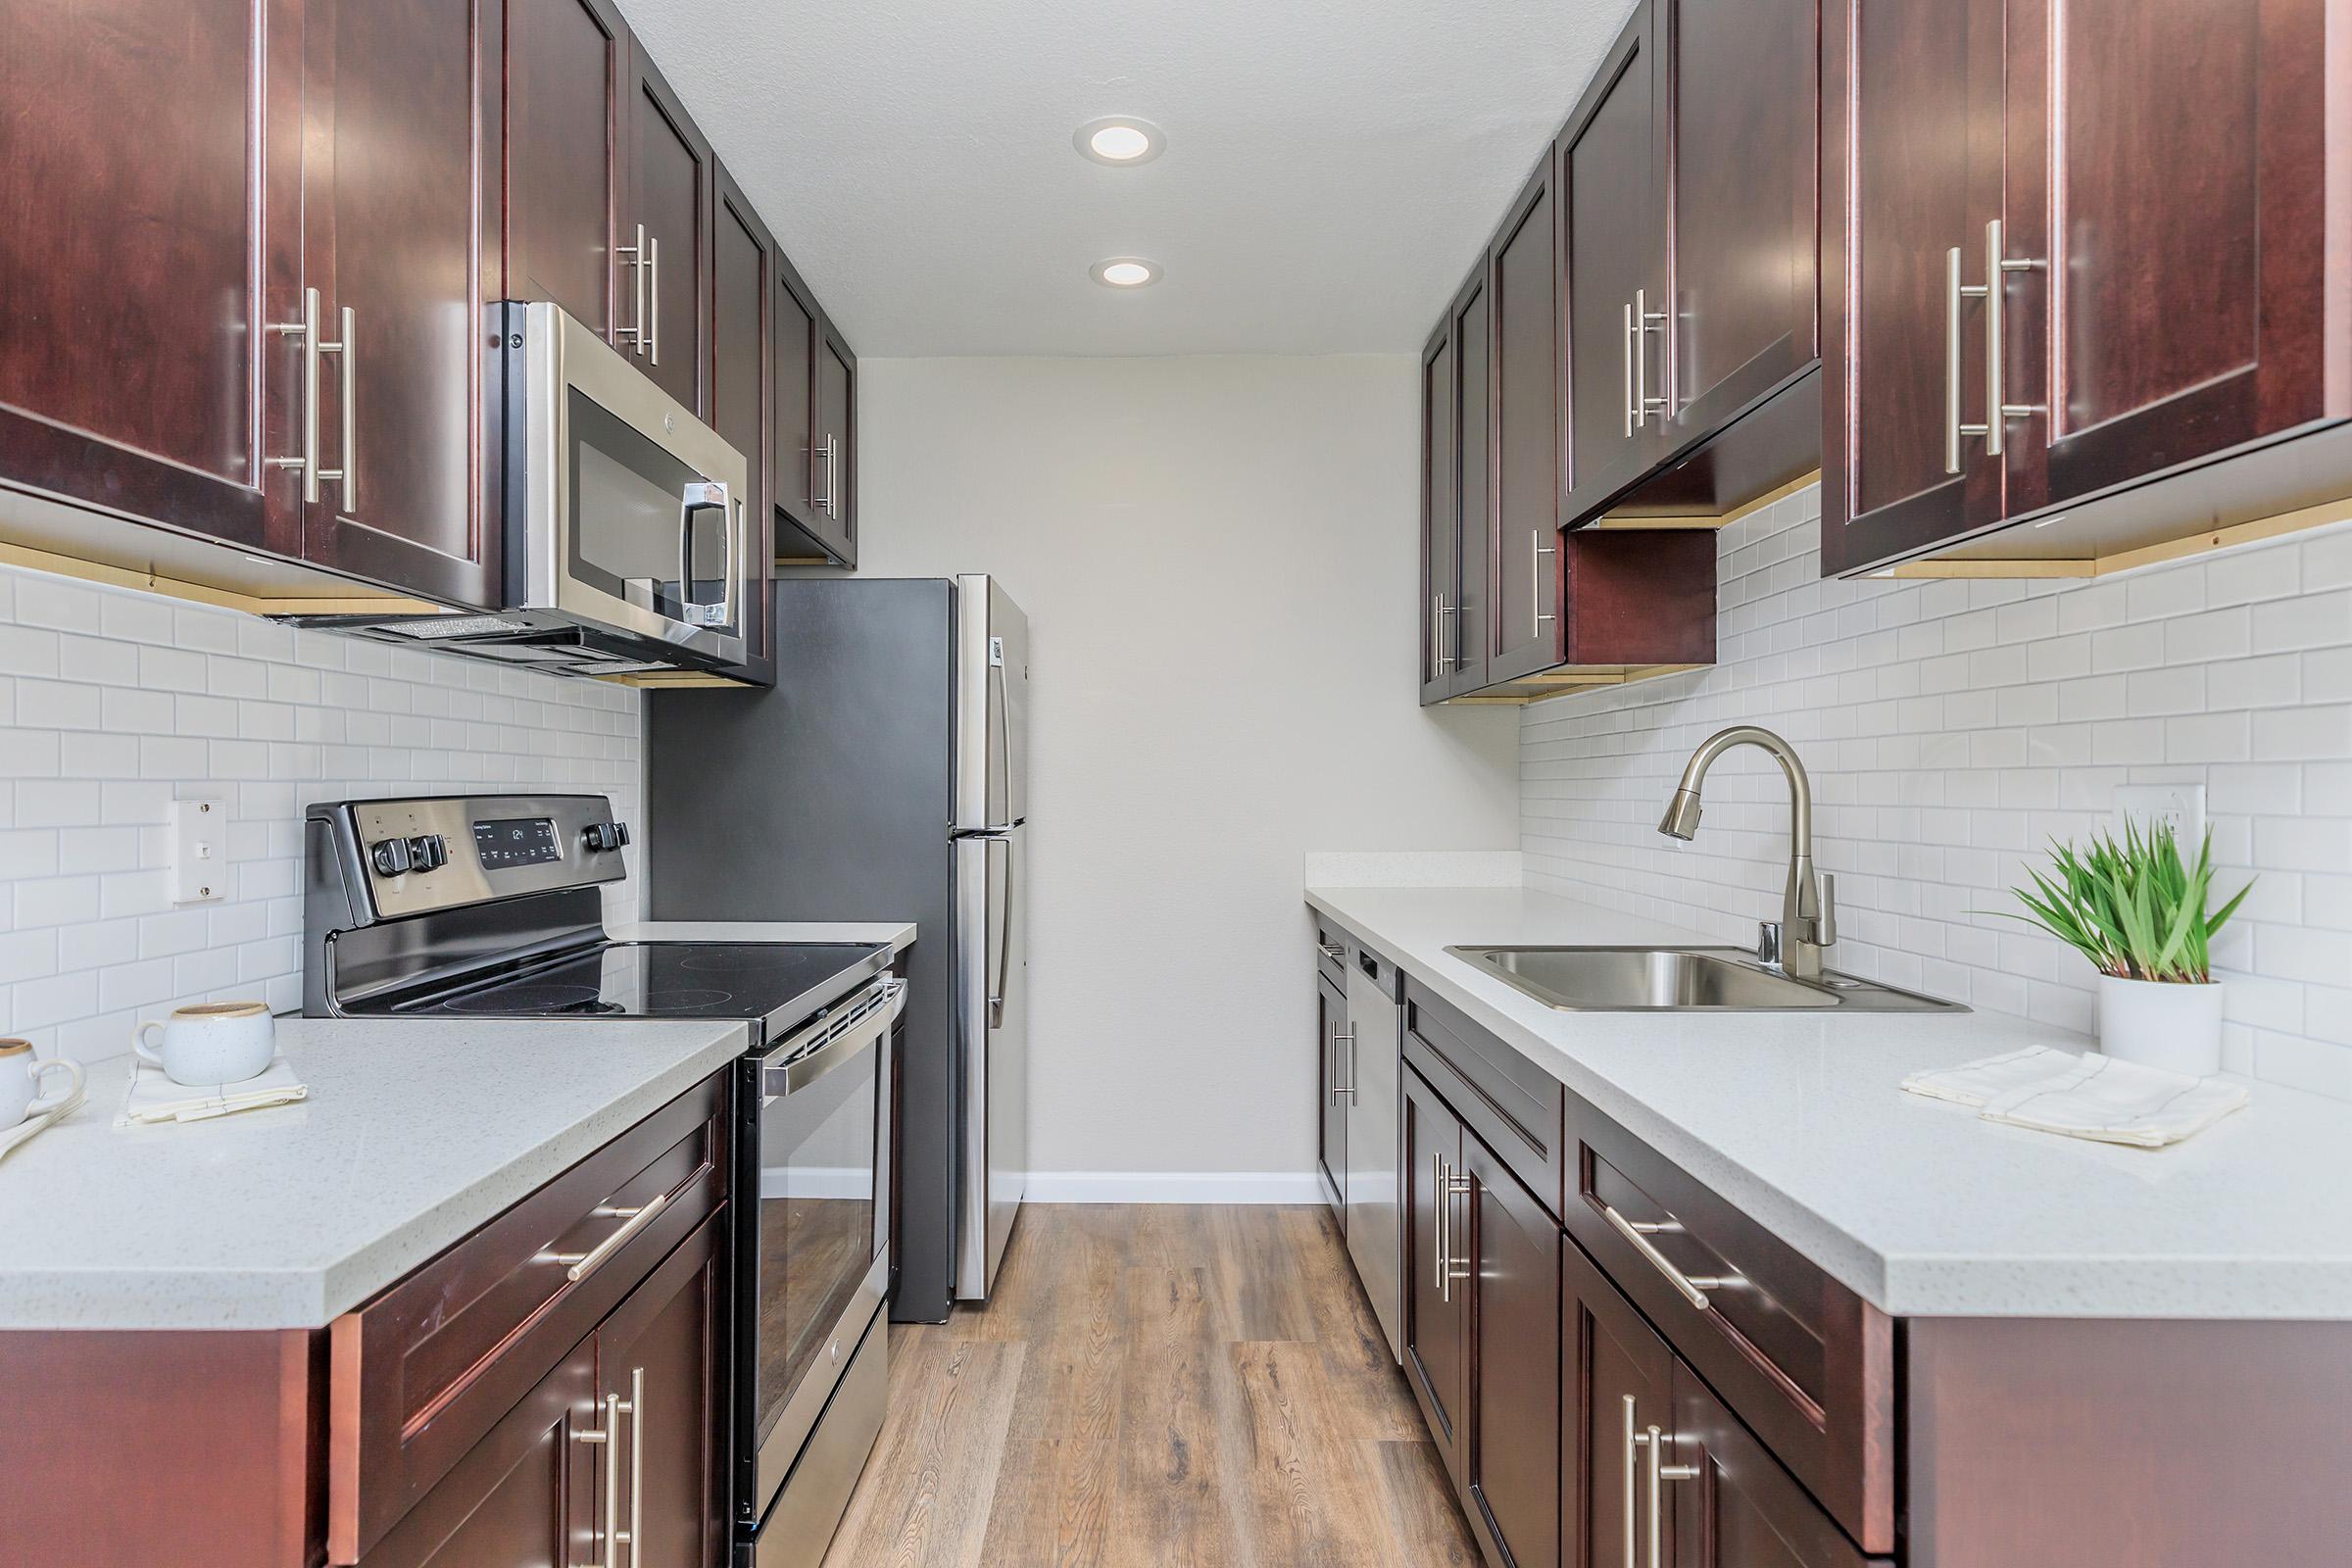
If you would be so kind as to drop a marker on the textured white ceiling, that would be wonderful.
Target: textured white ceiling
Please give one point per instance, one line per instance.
(1331, 166)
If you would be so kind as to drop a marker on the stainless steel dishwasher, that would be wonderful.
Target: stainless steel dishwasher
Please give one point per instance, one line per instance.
(1375, 1134)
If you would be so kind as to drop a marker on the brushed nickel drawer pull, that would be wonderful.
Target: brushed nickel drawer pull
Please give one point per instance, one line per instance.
(583, 1264)
(1694, 1288)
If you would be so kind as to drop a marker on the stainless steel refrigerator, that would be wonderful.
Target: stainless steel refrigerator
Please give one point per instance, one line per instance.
(884, 778)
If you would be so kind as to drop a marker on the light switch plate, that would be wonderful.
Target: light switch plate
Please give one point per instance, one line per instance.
(2180, 805)
(199, 851)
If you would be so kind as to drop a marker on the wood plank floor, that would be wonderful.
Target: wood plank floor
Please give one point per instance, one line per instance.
(1153, 1387)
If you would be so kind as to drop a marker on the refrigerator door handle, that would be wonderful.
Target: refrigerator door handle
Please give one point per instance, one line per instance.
(1001, 738)
(1004, 936)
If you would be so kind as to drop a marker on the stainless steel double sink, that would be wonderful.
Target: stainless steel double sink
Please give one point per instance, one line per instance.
(1695, 979)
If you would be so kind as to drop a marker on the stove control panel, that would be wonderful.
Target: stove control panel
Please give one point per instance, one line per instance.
(394, 858)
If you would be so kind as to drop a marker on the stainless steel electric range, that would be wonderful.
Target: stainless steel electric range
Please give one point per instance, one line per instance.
(490, 907)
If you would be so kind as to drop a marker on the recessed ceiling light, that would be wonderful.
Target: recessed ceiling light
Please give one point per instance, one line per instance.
(1119, 140)
(1125, 271)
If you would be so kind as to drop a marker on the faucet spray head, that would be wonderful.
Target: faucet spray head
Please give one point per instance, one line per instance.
(1680, 820)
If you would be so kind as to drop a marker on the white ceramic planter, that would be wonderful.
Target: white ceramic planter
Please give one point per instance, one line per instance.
(2160, 1024)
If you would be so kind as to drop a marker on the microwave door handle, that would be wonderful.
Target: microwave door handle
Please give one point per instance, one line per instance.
(702, 497)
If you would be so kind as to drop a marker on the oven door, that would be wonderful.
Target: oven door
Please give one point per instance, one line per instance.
(812, 1227)
(634, 513)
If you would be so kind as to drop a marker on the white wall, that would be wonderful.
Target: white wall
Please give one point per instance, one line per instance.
(1951, 729)
(114, 703)
(1217, 559)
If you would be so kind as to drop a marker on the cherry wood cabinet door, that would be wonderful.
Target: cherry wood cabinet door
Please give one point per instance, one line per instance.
(152, 197)
(1730, 1504)
(1738, 142)
(742, 265)
(1437, 1358)
(1330, 1112)
(1613, 273)
(1512, 1459)
(2166, 235)
(1523, 623)
(657, 1382)
(566, 62)
(1911, 171)
(400, 216)
(836, 443)
(797, 329)
(1616, 1389)
(529, 1491)
(667, 194)
(1441, 525)
(1473, 480)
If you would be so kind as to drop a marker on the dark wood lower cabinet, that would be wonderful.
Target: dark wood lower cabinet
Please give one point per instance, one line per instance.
(657, 1366)
(526, 1494)
(1616, 1385)
(1513, 1462)
(1730, 1504)
(1435, 1326)
(1331, 1113)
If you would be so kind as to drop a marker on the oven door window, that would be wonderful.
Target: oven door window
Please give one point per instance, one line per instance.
(818, 1204)
(641, 521)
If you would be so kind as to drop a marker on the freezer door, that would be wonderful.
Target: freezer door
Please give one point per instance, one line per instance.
(992, 1016)
(992, 708)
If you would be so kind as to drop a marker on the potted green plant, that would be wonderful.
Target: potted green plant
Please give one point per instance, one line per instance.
(2138, 911)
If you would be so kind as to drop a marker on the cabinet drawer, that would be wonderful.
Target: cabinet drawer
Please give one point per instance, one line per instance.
(420, 1375)
(1800, 1359)
(1332, 952)
(1513, 1105)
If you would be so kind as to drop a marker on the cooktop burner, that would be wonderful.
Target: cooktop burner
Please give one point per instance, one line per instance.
(662, 980)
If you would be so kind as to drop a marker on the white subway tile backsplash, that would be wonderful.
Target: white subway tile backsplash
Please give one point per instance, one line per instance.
(114, 703)
(1950, 729)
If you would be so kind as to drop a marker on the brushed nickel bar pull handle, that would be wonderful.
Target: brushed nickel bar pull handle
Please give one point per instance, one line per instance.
(1630, 419)
(584, 1264)
(611, 1475)
(1657, 1512)
(1643, 401)
(1955, 291)
(1437, 1192)
(308, 330)
(652, 288)
(2000, 411)
(341, 349)
(1336, 1088)
(1631, 1439)
(1534, 581)
(833, 477)
(635, 330)
(1332, 951)
(611, 1480)
(1638, 1233)
(635, 1411)
(1458, 1183)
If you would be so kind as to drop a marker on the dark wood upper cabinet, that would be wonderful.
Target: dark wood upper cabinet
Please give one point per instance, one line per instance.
(1613, 289)
(153, 187)
(1525, 267)
(1739, 139)
(401, 182)
(566, 65)
(1441, 524)
(1331, 1113)
(742, 287)
(1467, 631)
(1914, 103)
(666, 197)
(799, 326)
(1511, 1466)
(2070, 250)
(834, 455)
(1434, 1331)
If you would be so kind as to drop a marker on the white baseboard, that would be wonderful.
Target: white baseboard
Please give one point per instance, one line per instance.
(1173, 1187)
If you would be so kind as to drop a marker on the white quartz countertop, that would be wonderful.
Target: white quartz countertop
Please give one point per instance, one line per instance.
(1918, 1205)
(414, 1133)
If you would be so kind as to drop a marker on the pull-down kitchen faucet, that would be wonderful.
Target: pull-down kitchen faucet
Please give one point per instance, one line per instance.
(1808, 919)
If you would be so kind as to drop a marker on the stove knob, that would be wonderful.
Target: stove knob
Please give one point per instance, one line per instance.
(390, 857)
(429, 851)
(605, 837)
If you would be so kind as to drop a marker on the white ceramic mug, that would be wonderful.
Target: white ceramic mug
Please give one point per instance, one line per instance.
(211, 1043)
(21, 1074)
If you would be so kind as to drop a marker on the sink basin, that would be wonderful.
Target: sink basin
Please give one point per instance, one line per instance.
(1682, 980)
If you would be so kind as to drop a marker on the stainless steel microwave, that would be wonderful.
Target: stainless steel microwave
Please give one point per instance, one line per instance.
(626, 518)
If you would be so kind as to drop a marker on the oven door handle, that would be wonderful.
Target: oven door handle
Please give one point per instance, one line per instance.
(782, 1073)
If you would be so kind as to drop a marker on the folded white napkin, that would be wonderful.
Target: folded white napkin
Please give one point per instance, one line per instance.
(153, 1098)
(34, 1125)
(2089, 1095)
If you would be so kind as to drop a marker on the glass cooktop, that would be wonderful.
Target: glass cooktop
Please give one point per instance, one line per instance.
(665, 980)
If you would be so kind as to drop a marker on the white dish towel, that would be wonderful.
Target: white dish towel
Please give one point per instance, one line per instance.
(2089, 1095)
(38, 1122)
(154, 1098)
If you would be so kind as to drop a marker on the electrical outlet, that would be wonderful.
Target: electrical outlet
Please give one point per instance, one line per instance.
(199, 851)
(2180, 805)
